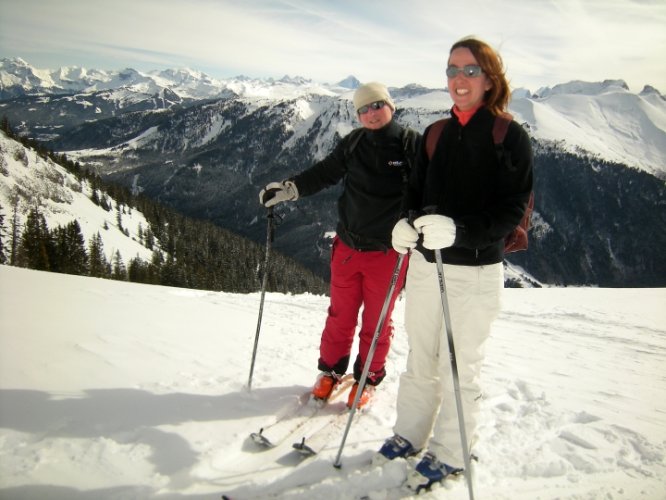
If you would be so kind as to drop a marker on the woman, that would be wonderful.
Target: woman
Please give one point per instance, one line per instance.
(472, 200)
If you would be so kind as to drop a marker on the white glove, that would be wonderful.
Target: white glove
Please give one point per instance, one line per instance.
(439, 231)
(403, 236)
(277, 192)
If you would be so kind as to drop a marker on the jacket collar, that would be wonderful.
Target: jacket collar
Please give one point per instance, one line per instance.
(481, 114)
(385, 134)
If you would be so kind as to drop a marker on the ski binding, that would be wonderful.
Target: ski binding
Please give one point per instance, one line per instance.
(261, 440)
(304, 449)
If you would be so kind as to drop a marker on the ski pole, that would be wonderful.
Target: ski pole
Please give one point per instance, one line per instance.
(371, 352)
(264, 281)
(454, 370)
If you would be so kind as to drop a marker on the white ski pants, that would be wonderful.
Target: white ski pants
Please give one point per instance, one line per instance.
(426, 399)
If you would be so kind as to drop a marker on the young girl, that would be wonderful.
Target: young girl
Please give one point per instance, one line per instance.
(472, 200)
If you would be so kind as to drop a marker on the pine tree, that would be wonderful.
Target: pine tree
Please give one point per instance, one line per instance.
(149, 238)
(3, 257)
(99, 266)
(71, 254)
(119, 217)
(119, 271)
(78, 256)
(155, 267)
(173, 274)
(37, 249)
(137, 271)
(15, 237)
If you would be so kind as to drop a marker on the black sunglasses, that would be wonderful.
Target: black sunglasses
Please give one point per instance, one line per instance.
(470, 71)
(374, 105)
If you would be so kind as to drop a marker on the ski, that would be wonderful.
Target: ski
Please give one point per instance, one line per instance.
(321, 437)
(410, 486)
(296, 416)
(314, 442)
(417, 483)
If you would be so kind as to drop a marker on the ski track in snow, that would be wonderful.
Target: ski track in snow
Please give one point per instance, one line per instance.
(113, 390)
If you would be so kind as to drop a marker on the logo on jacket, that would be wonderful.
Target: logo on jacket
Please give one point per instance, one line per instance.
(396, 163)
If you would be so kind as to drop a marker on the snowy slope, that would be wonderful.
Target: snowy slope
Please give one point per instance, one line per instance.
(127, 391)
(62, 199)
(612, 124)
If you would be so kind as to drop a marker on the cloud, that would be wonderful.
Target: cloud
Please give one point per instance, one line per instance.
(543, 42)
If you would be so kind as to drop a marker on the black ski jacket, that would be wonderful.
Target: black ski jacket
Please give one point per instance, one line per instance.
(484, 188)
(374, 176)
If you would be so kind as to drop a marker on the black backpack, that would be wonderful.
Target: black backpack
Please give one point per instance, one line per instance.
(518, 238)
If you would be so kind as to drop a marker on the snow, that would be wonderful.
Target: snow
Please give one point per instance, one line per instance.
(62, 198)
(434, 102)
(127, 391)
(274, 90)
(616, 125)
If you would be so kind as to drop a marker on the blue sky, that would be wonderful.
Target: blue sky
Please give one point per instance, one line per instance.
(543, 42)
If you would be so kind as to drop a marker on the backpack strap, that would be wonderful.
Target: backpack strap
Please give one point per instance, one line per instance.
(354, 138)
(409, 143)
(518, 238)
(433, 136)
(501, 126)
(409, 139)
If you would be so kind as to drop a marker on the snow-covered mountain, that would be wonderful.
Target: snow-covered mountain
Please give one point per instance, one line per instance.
(18, 78)
(600, 161)
(113, 390)
(603, 119)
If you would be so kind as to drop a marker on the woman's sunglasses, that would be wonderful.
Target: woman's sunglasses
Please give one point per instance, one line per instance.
(470, 71)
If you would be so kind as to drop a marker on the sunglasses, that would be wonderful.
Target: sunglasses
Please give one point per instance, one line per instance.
(470, 71)
(373, 105)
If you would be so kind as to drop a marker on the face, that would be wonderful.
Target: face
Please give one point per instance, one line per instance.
(375, 119)
(467, 92)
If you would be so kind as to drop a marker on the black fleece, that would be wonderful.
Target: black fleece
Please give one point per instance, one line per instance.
(465, 181)
(374, 180)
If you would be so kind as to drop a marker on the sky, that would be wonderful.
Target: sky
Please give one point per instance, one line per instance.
(542, 42)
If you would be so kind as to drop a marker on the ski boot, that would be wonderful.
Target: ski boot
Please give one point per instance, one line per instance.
(394, 447)
(323, 387)
(430, 471)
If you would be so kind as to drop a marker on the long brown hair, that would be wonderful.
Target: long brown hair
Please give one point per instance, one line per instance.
(497, 98)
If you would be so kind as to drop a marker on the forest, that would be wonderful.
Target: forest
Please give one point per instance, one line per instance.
(186, 252)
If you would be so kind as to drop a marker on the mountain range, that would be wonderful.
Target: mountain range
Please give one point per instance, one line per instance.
(206, 147)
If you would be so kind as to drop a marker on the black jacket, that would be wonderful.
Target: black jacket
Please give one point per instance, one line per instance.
(374, 177)
(465, 181)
